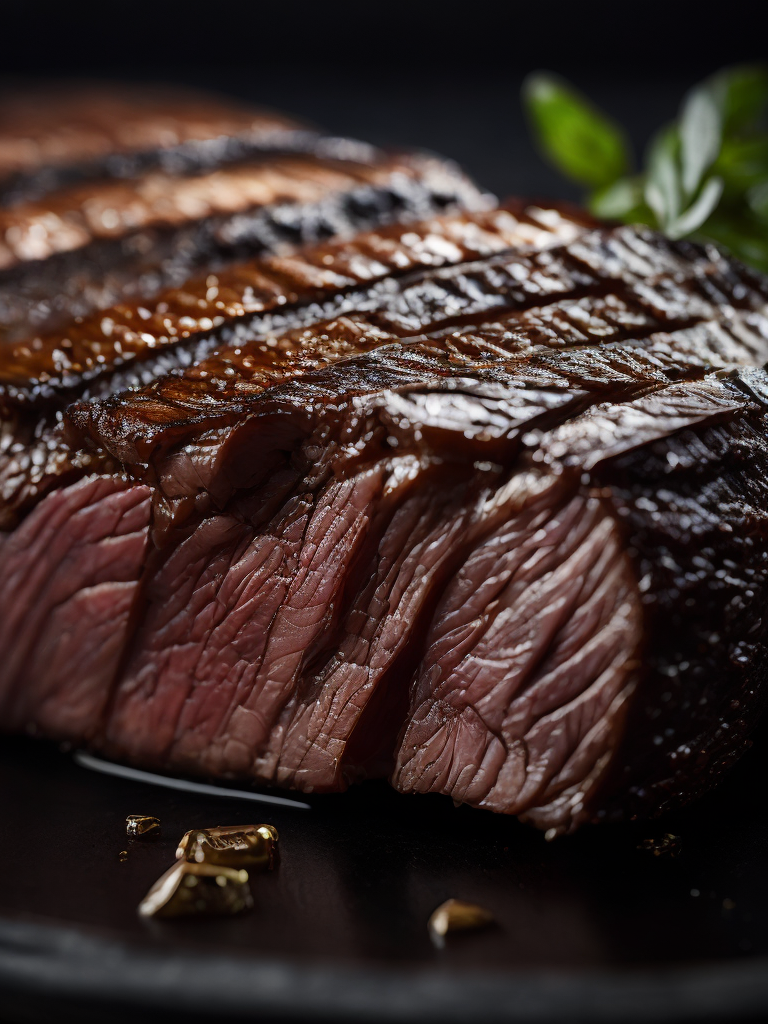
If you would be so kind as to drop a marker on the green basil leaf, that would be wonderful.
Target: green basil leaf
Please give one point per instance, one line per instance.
(663, 188)
(697, 213)
(623, 200)
(580, 140)
(742, 92)
(700, 134)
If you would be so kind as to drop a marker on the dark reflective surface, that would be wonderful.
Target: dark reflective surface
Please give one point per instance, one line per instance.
(361, 872)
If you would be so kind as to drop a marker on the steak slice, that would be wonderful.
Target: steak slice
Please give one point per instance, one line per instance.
(71, 567)
(473, 527)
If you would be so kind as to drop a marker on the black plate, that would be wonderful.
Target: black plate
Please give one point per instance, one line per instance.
(590, 928)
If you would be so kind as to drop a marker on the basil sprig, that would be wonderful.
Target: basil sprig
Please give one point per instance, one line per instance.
(705, 175)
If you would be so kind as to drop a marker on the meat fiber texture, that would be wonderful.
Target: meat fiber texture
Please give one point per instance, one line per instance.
(477, 504)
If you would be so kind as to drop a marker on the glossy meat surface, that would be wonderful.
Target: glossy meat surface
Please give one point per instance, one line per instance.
(53, 137)
(115, 193)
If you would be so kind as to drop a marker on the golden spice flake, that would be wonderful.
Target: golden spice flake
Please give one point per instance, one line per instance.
(235, 846)
(668, 845)
(141, 826)
(205, 890)
(122, 856)
(456, 915)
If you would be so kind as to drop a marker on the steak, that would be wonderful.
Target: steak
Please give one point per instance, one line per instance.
(477, 503)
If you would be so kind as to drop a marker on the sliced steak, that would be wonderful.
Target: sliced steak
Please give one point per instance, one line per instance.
(471, 525)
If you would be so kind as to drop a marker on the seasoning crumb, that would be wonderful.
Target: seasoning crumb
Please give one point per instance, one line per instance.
(668, 845)
(203, 890)
(142, 826)
(123, 855)
(456, 915)
(728, 904)
(235, 846)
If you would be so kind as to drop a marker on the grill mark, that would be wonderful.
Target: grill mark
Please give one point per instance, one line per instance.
(382, 305)
(194, 156)
(281, 301)
(109, 420)
(68, 220)
(48, 293)
(52, 136)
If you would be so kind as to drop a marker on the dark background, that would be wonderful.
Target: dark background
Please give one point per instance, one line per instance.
(439, 75)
